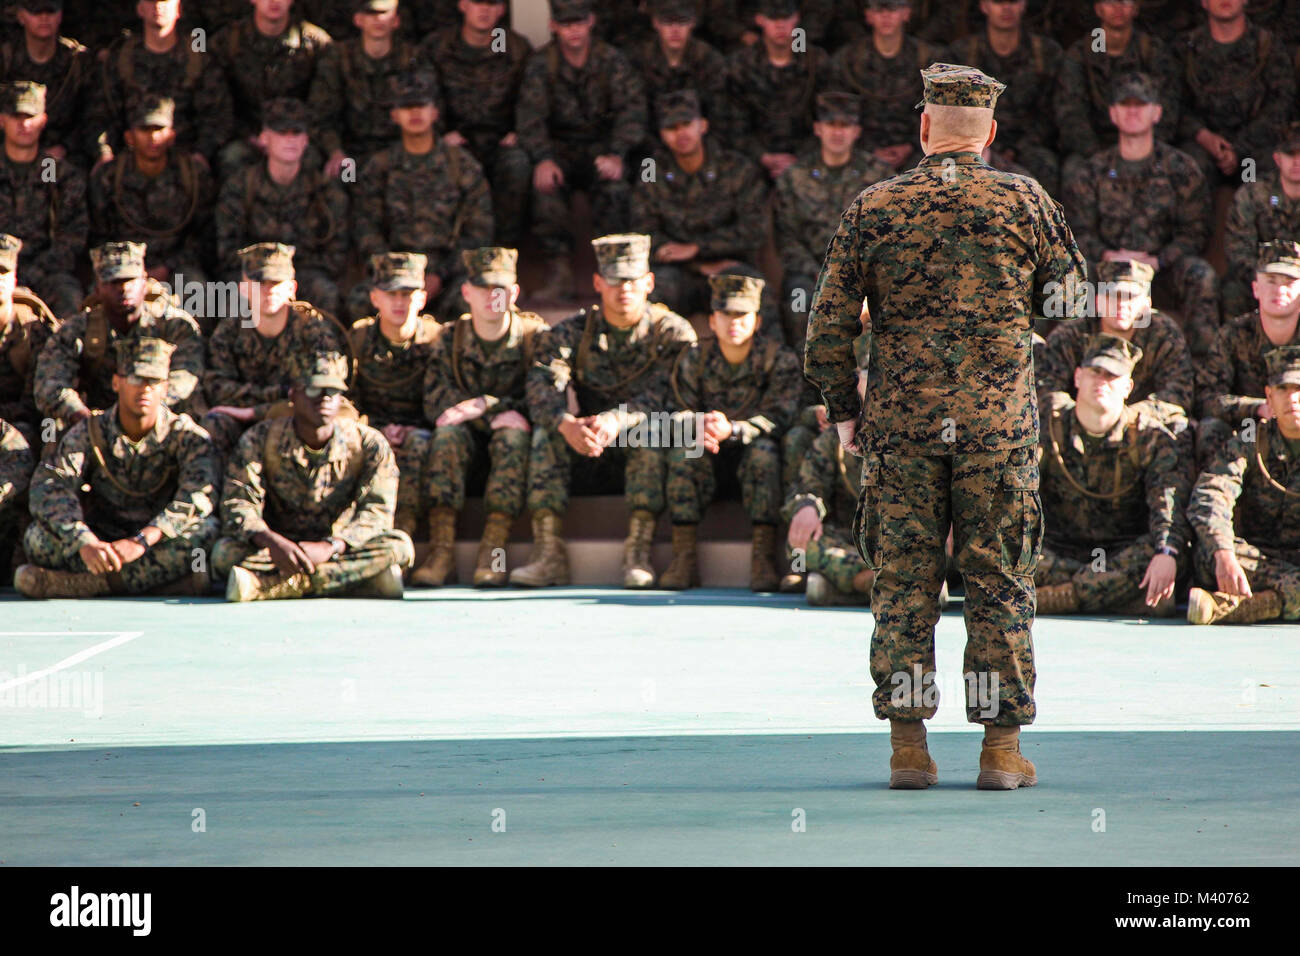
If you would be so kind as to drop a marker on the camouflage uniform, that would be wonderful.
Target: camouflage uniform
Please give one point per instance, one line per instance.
(22, 336)
(16, 463)
(346, 490)
(810, 197)
(1025, 126)
(260, 69)
(1158, 205)
(67, 77)
(1122, 493)
(931, 379)
(75, 370)
(760, 397)
(436, 204)
(702, 69)
(43, 203)
(463, 367)
(773, 105)
(719, 207)
(167, 480)
(246, 368)
(1260, 212)
(1237, 505)
(310, 214)
(829, 479)
(388, 387)
(888, 88)
(96, 23)
(571, 115)
(171, 212)
(606, 368)
(1082, 98)
(1242, 91)
(480, 88)
(192, 79)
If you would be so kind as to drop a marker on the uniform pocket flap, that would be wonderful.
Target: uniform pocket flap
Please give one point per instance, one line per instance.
(1023, 477)
(870, 471)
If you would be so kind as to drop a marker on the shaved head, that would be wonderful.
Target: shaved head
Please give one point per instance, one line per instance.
(972, 123)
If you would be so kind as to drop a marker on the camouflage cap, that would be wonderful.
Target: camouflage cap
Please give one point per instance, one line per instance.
(10, 246)
(777, 9)
(391, 271)
(1290, 139)
(1134, 86)
(1112, 354)
(23, 97)
(673, 11)
(839, 108)
(491, 266)
(152, 110)
(374, 6)
(1125, 270)
(951, 84)
(267, 261)
(319, 370)
(1283, 365)
(735, 293)
(1281, 256)
(622, 256)
(567, 11)
(677, 106)
(40, 6)
(114, 261)
(414, 88)
(144, 356)
(889, 3)
(284, 114)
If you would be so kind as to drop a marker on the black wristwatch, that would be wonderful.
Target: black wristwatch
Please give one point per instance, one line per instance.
(141, 540)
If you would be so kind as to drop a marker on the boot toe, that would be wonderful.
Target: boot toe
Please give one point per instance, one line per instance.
(29, 581)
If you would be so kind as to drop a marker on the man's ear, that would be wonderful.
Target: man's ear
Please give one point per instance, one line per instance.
(925, 131)
(1128, 391)
(1078, 373)
(993, 133)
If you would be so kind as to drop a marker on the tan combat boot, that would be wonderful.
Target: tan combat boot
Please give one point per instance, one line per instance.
(684, 572)
(439, 566)
(762, 572)
(194, 584)
(549, 562)
(386, 584)
(35, 582)
(245, 585)
(496, 532)
(792, 583)
(1058, 599)
(1002, 767)
(910, 766)
(1204, 607)
(559, 283)
(1138, 607)
(638, 570)
(821, 593)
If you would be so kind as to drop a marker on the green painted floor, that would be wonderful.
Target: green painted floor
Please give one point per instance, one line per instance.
(608, 726)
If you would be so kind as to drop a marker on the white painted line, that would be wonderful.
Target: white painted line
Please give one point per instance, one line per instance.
(122, 638)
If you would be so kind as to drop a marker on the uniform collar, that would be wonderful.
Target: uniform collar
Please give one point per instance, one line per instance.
(960, 157)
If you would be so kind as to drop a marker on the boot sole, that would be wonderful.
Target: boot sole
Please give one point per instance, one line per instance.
(1003, 780)
(1200, 607)
(912, 779)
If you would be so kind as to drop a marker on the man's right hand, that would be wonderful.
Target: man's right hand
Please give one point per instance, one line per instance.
(235, 412)
(548, 176)
(1263, 411)
(100, 557)
(848, 430)
(289, 558)
(1229, 574)
(582, 435)
(78, 416)
(461, 412)
(804, 525)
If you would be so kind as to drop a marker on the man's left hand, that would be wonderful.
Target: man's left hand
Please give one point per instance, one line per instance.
(1159, 579)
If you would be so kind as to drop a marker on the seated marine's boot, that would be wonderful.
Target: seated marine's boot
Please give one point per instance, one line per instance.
(1002, 767)
(386, 584)
(245, 585)
(1205, 607)
(638, 570)
(37, 582)
(439, 565)
(910, 765)
(762, 572)
(496, 531)
(194, 584)
(1057, 599)
(549, 562)
(793, 583)
(1138, 607)
(821, 593)
(684, 571)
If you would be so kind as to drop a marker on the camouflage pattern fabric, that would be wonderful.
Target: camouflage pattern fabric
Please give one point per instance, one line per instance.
(702, 69)
(167, 480)
(21, 340)
(204, 112)
(67, 381)
(1260, 212)
(1235, 506)
(773, 107)
(68, 77)
(43, 203)
(1230, 383)
(829, 480)
(16, 463)
(1134, 485)
(1230, 90)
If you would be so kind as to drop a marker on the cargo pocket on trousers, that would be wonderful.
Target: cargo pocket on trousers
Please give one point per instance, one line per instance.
(866, 517)
(1022, 519)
